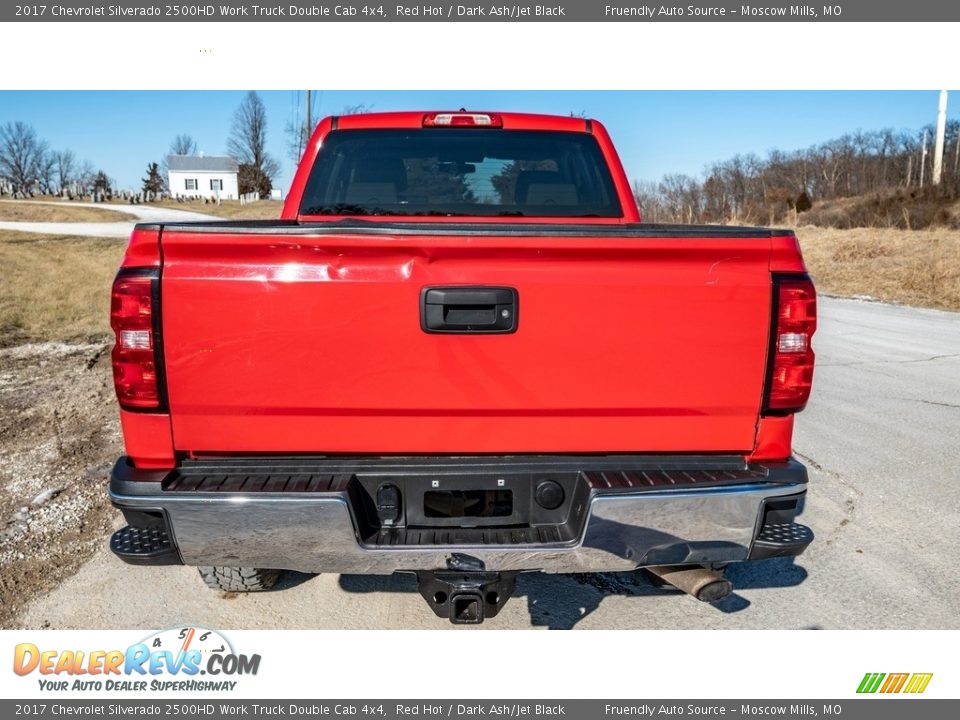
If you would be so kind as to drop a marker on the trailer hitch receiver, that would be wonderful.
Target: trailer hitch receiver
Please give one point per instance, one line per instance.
(465, 592)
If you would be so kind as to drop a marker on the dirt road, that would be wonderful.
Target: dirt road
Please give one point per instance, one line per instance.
(880, 438)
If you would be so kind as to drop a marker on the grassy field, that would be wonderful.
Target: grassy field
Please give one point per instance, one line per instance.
(913, 267)
(228, 209)
(15, 211)
(57, 287)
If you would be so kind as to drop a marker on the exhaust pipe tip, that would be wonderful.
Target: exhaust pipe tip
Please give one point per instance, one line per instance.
(699, 582)
(715, 591)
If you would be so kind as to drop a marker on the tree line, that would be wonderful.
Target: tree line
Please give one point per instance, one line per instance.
(28, 166)
(745, 188)
(754, 189)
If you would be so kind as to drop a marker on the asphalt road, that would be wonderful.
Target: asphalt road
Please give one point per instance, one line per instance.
(881, 437)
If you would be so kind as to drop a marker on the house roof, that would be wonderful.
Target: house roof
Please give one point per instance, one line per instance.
(202, 163)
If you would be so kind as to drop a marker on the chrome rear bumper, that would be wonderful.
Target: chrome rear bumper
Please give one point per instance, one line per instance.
(622, 513)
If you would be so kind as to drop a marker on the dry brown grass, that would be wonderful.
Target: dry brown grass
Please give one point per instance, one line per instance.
(902, 208)
(17, 211)
(228, 209)
(915, 267)
(55, 287)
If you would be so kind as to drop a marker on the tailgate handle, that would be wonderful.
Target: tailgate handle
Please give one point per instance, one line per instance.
(463, 310)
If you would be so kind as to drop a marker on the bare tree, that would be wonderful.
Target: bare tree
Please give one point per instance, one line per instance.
(358, 109)
(298, 132)
(86, 176)
(648, 200)
(248, 143)
(66, 163)
(22, 156)
(682, 197)
(47, 173)
(183, 144)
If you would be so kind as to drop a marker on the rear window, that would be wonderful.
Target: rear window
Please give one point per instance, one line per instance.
(485, 172)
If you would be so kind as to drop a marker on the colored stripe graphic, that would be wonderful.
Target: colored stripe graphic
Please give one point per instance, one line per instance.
(895, 682)
(870, 682)
(918, 682)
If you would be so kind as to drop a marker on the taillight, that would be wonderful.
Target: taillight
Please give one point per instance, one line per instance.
(790, 363)
(462, 119)
(137, 371)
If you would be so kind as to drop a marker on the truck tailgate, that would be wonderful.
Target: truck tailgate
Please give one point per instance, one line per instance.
(308, 339)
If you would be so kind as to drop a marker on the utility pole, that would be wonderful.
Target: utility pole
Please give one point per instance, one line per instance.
(923, 157)
(303, 133)
(956, 153)
(309, 114)
(941, 133)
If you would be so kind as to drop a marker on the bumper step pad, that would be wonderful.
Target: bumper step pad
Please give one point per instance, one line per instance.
(144, 546)
(781, 540)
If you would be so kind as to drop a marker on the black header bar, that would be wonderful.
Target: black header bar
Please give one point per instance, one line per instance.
(642, 11)
(214, 706)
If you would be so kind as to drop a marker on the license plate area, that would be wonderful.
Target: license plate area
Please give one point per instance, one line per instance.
(469, 500)
(467, 503)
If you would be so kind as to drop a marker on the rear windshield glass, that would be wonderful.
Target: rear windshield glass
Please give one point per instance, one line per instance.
(465, 171)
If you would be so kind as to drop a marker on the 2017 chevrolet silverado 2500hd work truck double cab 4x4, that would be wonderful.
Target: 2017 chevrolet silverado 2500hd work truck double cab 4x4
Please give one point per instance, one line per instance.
(460, 354)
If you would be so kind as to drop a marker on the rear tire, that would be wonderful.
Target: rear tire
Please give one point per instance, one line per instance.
(232, 579)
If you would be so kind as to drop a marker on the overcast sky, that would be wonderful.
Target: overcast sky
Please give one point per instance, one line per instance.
(655, 132)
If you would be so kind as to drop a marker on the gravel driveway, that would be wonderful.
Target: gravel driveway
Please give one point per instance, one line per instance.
(121, 229)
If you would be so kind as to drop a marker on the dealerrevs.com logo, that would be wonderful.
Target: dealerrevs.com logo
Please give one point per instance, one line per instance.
(913, 683)
(169, 660)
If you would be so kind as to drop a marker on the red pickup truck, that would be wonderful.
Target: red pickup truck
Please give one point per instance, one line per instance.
(461, 354)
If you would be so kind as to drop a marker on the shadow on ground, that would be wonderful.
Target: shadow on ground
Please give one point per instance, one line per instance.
(559, 602)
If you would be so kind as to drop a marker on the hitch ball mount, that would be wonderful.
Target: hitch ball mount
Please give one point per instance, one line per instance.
(465, 592)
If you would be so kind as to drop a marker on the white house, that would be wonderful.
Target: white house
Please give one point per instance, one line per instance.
(205, 176)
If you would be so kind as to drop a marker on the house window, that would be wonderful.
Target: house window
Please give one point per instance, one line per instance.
(190, 183)
(216, 185)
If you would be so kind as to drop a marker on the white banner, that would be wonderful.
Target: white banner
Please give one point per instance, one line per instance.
(207, 663)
